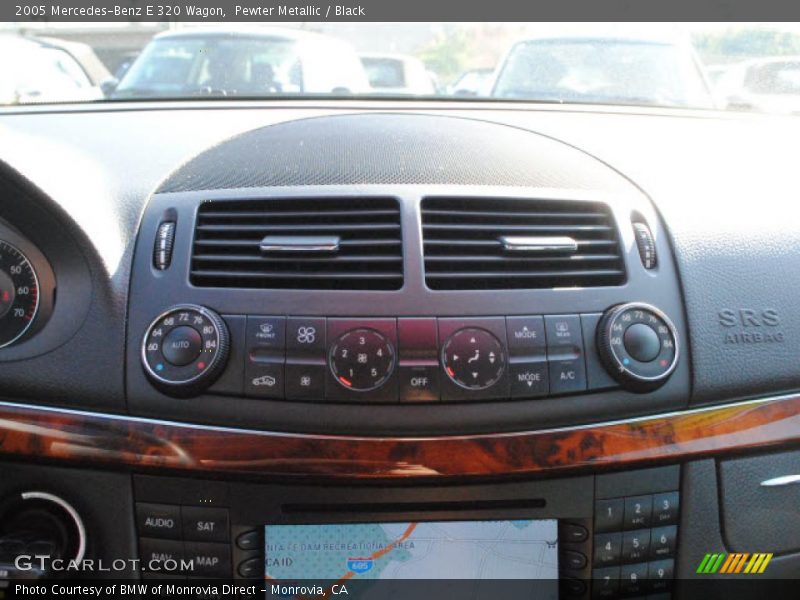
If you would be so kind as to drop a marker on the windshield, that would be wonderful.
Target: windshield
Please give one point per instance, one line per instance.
(736, 66)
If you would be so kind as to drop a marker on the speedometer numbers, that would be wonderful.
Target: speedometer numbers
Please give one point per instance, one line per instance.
(19, 294)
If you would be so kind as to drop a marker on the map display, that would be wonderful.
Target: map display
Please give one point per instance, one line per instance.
(465, 550)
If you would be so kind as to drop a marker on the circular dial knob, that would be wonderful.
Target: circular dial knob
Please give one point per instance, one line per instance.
(361, 359)
(638, 345)
(19, 294)
(473, 358)
(185, 349)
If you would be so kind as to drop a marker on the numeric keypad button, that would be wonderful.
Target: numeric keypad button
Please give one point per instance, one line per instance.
(638, 510)
(608, 515)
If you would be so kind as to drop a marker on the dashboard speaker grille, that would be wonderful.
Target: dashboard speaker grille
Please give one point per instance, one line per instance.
(488, 243)
(327, 243)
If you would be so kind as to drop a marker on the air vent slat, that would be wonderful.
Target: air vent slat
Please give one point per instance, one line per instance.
(254, 214)
(469, 243)
(228, 234)
(484, 214)
(292, 260)
(556, 260)
(254, 243)
(498, 244)
(291, 275)
(296, 228)
(533, 274)
(550, 229)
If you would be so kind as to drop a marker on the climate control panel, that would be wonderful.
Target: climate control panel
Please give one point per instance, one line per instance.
(409, 359)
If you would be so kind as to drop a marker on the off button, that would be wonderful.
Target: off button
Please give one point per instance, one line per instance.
(419, 383)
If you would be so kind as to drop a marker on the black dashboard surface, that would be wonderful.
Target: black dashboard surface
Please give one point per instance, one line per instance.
(723, 185)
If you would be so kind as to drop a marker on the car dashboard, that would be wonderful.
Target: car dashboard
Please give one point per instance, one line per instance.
(224, 316)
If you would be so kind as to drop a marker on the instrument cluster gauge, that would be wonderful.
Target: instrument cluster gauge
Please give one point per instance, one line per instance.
(19, 294)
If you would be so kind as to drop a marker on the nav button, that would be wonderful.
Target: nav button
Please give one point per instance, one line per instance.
(529, 379)
(419, 383)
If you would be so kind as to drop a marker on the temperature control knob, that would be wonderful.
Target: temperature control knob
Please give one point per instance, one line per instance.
(185, 349)
(638, 345)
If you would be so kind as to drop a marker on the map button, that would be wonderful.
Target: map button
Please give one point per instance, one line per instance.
(208, 560)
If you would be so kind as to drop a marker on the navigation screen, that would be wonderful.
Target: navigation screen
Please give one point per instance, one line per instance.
(449, 550)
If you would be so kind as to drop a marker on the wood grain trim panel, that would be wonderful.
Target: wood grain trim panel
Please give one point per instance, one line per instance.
(141, 444)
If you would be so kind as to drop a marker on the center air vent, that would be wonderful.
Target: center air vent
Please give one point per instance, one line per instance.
(487, 243)
(329, 243)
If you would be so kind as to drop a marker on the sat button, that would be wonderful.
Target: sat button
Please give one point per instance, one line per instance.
(205, 524)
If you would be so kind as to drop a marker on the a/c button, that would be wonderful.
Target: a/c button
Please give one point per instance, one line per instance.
(567, 376)
(419, 383)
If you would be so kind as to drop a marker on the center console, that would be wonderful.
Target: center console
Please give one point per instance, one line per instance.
(341, 303)
(593, 536)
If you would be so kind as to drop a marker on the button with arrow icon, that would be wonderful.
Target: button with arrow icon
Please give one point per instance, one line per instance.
(529, 379)
(526, 336)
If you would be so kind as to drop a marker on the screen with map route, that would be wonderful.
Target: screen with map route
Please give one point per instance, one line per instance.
(451, 550)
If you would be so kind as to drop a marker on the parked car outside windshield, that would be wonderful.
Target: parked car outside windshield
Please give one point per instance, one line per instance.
(768, 85)
(603, 70)
(397, 74)
(243, 63)
(41, 72)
